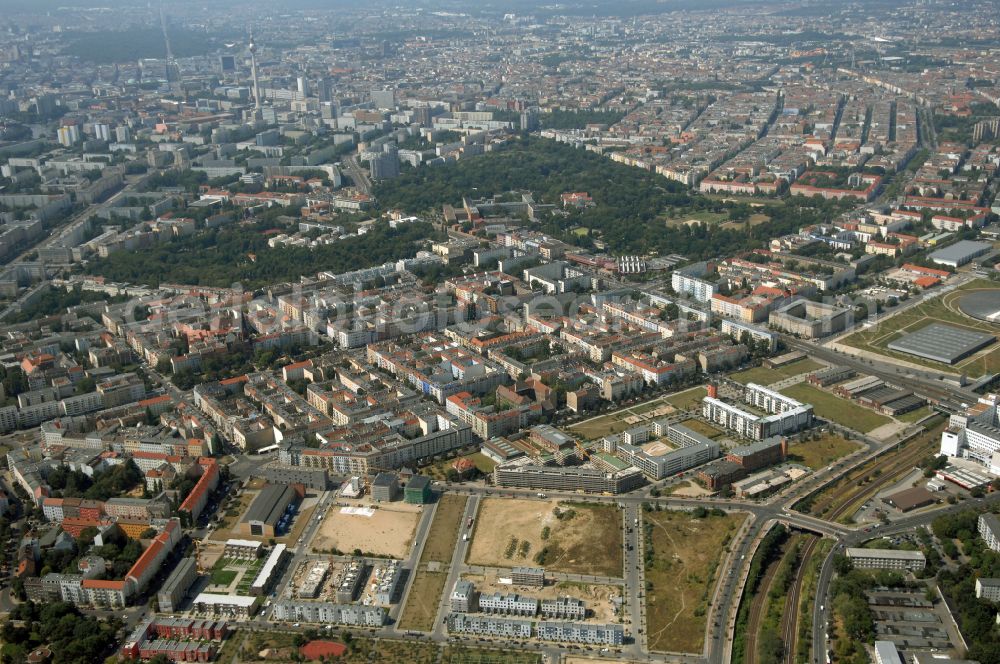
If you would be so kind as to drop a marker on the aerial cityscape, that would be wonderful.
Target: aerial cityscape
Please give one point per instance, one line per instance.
(434, 332)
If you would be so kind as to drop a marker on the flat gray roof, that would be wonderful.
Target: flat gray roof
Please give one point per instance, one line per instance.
(270, 503)
(889, 554)
(942, 343)
(961, 252)
(887, 653)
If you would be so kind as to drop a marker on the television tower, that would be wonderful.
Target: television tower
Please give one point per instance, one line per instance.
(252, 47)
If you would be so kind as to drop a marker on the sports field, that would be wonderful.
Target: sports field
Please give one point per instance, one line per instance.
(943, 309)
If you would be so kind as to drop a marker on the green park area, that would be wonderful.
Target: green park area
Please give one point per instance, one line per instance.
(833, 408)
(766, 375)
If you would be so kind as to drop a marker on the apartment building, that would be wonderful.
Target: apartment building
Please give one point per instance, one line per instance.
(511, 604)
(989, 530)
(785, 416)
(327, 612)
(528, 576)
(563, 608)
(175, 588)
(689, 449)
(595, 634)
(470, 623)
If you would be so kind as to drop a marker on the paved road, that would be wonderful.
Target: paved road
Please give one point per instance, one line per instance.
(634, 589)
(925, 383)
(411, 562)
(357, 174)
(905, 525)
(455, 570)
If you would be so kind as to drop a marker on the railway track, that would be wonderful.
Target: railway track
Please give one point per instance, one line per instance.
(790, 616)
(885, 468)
(756, 611)
(761, 596)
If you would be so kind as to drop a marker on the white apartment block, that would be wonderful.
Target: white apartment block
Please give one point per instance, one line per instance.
(989, 528)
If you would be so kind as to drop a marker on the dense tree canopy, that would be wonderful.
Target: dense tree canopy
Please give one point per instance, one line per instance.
(72, 637)
(630, 203)
(224, 256)
(113, 482)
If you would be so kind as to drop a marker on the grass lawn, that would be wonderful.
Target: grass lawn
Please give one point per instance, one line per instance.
(759, 375)
(838, 410)
(674, 488)
(766, 376)
(840, 499)
(703, 428)
(943, 309)
(458, 654)
(421, 607)
(602, 426)
(223, 531)
(366, 651)
(821, 453)
(681, 575)
(441, 539)
(704, 216)
(223, 577)
(565, 553)
(915, 415)
(687, 399)
(439, 469)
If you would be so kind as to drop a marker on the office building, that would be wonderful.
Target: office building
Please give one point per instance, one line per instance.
(463, 597)
(890, 559)
(529, 473)
(385, 488)
(418, 490)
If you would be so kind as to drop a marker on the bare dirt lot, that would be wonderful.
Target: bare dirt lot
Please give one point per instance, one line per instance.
(387, 532)
(597, 598)
(564, 537)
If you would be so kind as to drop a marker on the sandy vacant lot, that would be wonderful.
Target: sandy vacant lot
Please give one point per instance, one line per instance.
(596, 598)
(387, 532)
(586, 540)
